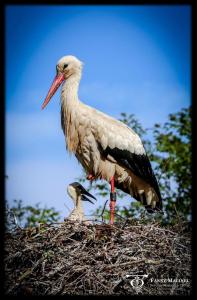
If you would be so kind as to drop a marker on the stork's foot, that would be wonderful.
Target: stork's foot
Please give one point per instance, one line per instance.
(90, 177)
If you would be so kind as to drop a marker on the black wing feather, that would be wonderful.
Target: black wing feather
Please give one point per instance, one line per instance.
(138, 164)
(62, 119)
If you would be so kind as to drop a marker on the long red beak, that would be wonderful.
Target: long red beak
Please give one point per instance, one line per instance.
(56, 83)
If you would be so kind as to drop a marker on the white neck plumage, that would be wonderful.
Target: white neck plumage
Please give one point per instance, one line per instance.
(79, 205)
(69, 105)
(70, 88)
(77, 213)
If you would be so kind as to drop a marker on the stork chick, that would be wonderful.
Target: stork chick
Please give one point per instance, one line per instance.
(78, 194)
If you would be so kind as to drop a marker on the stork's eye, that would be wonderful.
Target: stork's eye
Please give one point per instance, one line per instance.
(65, 66)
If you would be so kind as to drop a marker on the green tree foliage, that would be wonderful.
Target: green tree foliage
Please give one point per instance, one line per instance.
(168, 146)
(30, 216)
(172, 156)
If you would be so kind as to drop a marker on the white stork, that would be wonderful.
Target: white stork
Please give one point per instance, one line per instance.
(78, 194)
(106, 147)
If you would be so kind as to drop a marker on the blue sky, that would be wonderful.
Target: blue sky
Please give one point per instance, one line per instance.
(136, 60)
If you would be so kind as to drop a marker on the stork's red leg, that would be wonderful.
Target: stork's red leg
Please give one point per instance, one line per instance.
(112, 201)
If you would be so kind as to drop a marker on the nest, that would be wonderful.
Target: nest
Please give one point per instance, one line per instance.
(73, 258)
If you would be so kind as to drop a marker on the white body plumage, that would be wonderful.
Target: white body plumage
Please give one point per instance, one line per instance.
(103, 145)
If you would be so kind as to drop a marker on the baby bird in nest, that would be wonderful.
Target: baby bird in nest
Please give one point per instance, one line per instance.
(78, 194)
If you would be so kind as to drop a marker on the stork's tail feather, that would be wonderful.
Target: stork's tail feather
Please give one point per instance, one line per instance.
(155, 206)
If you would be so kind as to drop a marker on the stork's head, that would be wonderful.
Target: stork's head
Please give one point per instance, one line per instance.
(66, 67)
(69, 65)
(76, 191)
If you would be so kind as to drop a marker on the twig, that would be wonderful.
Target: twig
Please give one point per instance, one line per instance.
(102, 212)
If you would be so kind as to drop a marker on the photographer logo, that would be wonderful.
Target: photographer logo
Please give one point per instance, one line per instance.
(137, 282)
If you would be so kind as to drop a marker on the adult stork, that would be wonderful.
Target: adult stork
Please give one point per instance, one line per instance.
(106, 147)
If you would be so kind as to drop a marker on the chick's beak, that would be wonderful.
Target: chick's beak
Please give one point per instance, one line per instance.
(84, 198)
(59, 78)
